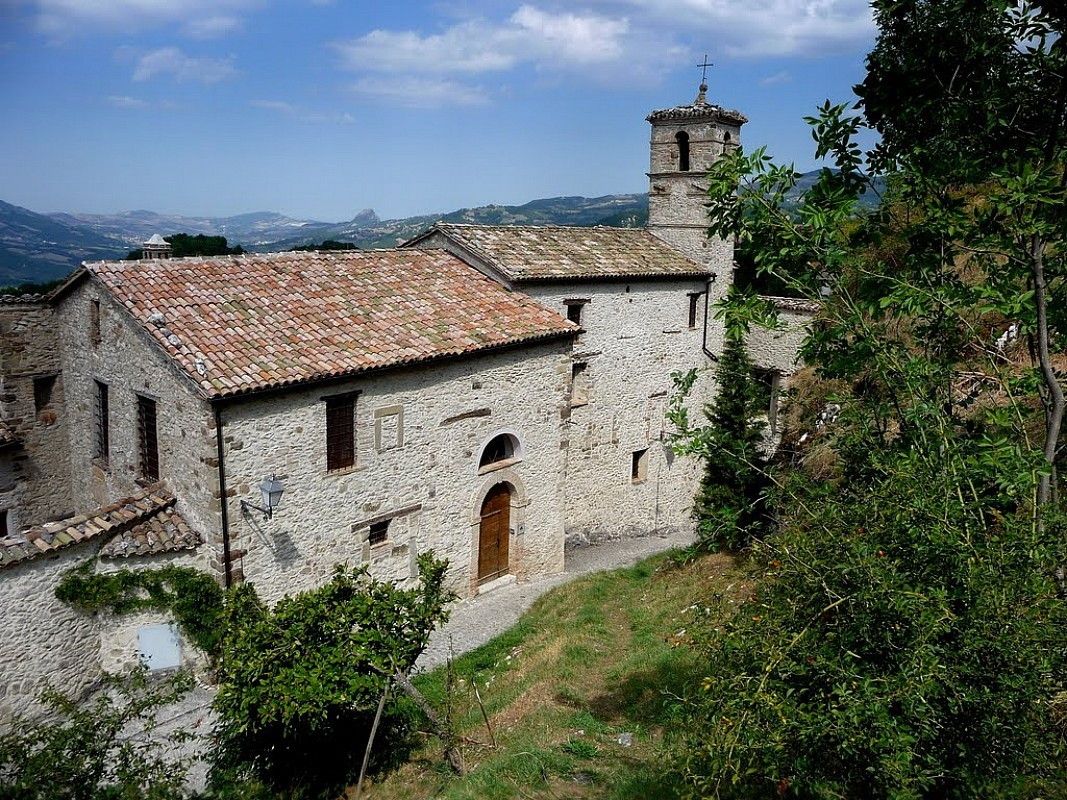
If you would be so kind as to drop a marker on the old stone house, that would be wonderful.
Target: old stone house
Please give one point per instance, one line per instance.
(486, 392)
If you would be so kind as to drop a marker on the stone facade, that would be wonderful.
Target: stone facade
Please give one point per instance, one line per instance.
(637, 334)
(34, 468)
(420, 434)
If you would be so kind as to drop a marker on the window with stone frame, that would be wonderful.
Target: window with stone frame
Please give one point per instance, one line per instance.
(694, 308)
(575, 308)
(102, 438)
(43, 386)
(147, 439)
(379, 532)
(639, 466)
(340, 432)
(682, 138)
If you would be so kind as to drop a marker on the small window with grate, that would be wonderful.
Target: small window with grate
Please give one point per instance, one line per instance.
(103, 431)
(379, 532)
(147, 441)
(340, 432)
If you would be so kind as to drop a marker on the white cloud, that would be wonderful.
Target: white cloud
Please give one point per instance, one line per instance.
(758, 28)
(294, 111)
(420, 92)
(173, 62)
(64, 18)
(779, 77)
(125, 101)
(412, 68)
(213, 26)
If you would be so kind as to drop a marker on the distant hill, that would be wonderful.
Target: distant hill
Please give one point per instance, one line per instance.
(35, 248)
(41, 247)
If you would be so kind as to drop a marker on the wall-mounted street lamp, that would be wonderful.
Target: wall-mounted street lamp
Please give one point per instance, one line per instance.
(271, 491)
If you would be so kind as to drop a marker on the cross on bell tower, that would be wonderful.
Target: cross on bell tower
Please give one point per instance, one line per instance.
(702, 95)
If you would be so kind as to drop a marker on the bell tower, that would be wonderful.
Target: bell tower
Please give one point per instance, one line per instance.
(686, 141)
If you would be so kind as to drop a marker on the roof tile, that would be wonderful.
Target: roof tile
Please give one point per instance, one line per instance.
(555, 252)
(238, 324)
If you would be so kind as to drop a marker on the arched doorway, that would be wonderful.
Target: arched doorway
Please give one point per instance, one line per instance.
(493, 533)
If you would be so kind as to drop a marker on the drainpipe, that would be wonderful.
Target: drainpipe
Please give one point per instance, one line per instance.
(707, 352)
(222, 498)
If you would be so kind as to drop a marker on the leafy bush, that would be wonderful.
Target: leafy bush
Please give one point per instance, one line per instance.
(90, 751)
(299, 684)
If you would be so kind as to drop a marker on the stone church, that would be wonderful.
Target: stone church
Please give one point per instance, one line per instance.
(488, 392)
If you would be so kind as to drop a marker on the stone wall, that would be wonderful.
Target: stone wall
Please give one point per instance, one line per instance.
(35, 471)
(43, 641)
(129, 362)
(637, 335)
(780, 350)
(419, 436)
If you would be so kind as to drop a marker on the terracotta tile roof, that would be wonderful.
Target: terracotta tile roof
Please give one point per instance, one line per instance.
(165, 532)
(550, 252)
(238, 324)
(142, 524)
(697, 111)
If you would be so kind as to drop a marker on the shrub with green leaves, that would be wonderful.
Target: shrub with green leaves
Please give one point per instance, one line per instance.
(299, 683)
(97, 750)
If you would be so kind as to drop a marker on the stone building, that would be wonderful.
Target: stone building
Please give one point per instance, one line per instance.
(487, 392)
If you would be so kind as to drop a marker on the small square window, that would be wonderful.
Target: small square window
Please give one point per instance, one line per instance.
(42, 392)
(639, 466)
(379, 532)
(574, 310)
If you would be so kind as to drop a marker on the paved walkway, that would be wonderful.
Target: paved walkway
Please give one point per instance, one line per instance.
(477, 620)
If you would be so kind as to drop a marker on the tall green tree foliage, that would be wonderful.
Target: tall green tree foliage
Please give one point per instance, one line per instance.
(730, 506)
(907, 640)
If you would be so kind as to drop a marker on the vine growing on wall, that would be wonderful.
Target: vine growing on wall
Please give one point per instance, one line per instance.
(193, 597)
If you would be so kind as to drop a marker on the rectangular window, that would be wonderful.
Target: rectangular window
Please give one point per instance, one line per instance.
(767, 382)
(4, 530)
(574, 310)
(579, 384)
(103, 432)
(148, 444)
(340, 432)
(639, 466)
(379, 532)
(94, 321)
(42, 392)
(694, 300)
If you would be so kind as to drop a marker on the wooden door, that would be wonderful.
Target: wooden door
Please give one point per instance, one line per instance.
(494, 534)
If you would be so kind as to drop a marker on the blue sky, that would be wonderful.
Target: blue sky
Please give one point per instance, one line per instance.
(320, 108)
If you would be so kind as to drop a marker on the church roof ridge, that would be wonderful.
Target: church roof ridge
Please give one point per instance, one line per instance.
(697, 111)
(528, 253)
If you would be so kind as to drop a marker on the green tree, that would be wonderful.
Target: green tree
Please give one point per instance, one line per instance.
(299, 684)
(328, 244)
(730, 507)
(906, 638)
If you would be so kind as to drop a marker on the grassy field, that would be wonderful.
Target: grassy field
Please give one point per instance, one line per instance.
(579, 694)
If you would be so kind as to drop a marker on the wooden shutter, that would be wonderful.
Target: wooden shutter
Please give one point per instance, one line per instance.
(146, 434)
(340, 432)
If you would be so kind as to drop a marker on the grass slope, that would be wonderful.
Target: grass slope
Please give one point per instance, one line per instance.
(591, 662)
